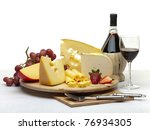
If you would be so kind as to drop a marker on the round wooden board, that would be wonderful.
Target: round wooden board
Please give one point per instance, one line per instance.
(63, 88)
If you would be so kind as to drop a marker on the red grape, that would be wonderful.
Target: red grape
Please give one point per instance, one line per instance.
(15, 74)
(43, 52)
(37, 59)
(16, 81)
(32, 56)
(53, 57)
(38, 55)
(5, 79)
(18, 67)
(49, 52)
(9, 81)
(29, 62)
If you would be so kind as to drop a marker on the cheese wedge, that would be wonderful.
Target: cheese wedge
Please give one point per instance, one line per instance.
(30, 73)
(71, 50)
(96, 61)
(51, 72)
(77, 45)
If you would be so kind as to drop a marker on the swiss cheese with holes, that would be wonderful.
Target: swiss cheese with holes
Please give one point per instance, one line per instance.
(51, 72)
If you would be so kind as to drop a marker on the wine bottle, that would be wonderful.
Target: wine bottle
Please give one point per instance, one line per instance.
(111, 49)
(111, 44)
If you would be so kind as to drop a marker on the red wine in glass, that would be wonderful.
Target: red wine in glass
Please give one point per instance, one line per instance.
(129, 53)
(129, 47)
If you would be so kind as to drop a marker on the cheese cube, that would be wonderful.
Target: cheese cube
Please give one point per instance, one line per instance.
(68, 79)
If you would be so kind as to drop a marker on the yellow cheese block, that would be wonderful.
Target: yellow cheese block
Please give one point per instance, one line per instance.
(72, 50)
(51, 72)
(91, 62)
(77, 45)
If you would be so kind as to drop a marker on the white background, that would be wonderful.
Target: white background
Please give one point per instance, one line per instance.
(42, 23)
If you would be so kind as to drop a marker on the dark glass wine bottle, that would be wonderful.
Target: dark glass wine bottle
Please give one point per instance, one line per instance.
(111, 44)
(111, 48)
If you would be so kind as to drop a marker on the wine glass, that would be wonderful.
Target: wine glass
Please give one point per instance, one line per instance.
(129, 47)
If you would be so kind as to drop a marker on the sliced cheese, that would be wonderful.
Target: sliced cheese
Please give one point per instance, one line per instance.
(94, 61)
(78, 73)
(76, 79)
(72, 84)
(51, 72)
(68, 79)
(70, 74)
(84, 84)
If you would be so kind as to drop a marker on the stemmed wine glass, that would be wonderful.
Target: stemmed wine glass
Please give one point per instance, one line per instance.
(129, 47)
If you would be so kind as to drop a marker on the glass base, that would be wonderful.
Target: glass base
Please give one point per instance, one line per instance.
(129, 87)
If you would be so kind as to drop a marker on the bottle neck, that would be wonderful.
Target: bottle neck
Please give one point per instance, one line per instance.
(113, 30)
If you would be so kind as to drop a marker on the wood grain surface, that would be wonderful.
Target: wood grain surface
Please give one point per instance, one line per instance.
(63, 88)
(71, 103)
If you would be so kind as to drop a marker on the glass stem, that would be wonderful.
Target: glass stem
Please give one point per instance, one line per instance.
(129, 81)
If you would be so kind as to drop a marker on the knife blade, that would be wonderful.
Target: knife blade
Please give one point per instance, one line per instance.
(99, 97)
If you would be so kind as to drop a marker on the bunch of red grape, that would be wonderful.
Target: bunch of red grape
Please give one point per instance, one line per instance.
(15, 79)
(35, 57)
(32, 58)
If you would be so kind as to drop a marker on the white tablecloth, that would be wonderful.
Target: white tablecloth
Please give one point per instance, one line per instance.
(18, 99)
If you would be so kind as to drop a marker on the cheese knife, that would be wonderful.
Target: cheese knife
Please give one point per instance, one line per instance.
(98, 97)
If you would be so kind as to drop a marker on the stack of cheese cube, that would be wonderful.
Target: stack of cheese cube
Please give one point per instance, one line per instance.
(76, 79)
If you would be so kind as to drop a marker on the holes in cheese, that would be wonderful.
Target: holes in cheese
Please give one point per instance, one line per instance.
(51, 72)
(51, 64)
(72, 50)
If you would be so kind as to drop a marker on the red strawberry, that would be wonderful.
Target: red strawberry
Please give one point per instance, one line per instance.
(95, 76)
(105, 80)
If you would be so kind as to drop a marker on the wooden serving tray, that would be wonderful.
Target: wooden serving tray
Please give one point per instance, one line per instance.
(57, 92)
(71, 103)
(63, 88)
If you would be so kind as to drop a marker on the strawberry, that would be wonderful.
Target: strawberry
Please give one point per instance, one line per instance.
(105, 80)
(95, 76)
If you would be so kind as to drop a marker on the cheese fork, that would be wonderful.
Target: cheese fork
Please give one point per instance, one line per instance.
(99, 97)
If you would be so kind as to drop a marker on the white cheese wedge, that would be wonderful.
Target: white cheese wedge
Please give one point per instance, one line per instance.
(51, 72)
(96, 61)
